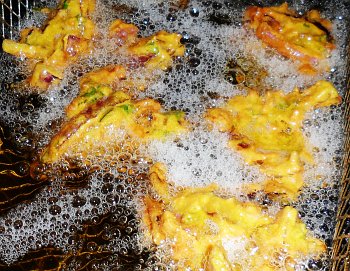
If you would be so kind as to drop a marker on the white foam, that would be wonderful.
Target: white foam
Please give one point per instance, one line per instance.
(325, 137)
(201, 158)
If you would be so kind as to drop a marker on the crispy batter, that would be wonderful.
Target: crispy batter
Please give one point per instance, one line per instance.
(266, 130)
(157, 51)
(200, 226)
(154, 52)
(125, 33)
(306, 39)
(94, 126)
(66, 36)
(96, 86)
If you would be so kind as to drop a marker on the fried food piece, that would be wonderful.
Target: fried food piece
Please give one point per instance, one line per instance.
(157, 51)
(124, 32)
(96, 86)
(208, 232)
(98, 108)
(99, 123)
(266, 130)
(153, 52)
(66, 36)
(306, 39)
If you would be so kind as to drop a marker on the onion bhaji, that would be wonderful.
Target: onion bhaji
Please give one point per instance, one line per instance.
(125, 33)
(208, 232)
(96, 86)
(157, 51)
(154, 52)
(67, 35)
(266, 130)
(306, 39)
(98, 108)
(85, 131)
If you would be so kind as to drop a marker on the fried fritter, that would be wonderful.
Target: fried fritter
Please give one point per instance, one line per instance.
(154, 52)
(158, 50)
(99, 123)
(96, 86)
(125, 33)
(66, 36)
(208, 232)
(306, 39)
(266, 130)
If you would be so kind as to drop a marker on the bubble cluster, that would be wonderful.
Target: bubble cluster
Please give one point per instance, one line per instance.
(57, 213)
(112, 184)
(201, 158)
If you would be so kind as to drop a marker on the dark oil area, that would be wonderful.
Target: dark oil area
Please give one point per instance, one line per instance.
(22, 178)
(91, 248)
(16, 155)
(88, 253)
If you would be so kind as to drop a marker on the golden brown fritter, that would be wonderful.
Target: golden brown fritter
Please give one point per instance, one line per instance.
(110, 120)
(158, 50)
(266, 130)
(208, 232)
(125, 33)
(306, 39)
(99, 110)
(66, 36)
(96, 86)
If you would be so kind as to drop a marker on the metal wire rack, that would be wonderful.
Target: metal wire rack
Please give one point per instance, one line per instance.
(12, 14)
(341, 239)
(12, 11)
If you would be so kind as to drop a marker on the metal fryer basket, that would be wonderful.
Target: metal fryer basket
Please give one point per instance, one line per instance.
(13, 11)
(11, 14)
(341, 238)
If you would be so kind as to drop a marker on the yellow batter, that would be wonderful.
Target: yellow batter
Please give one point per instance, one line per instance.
(208, 232)
(266, 130)
(67, 35)
(306, 39)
